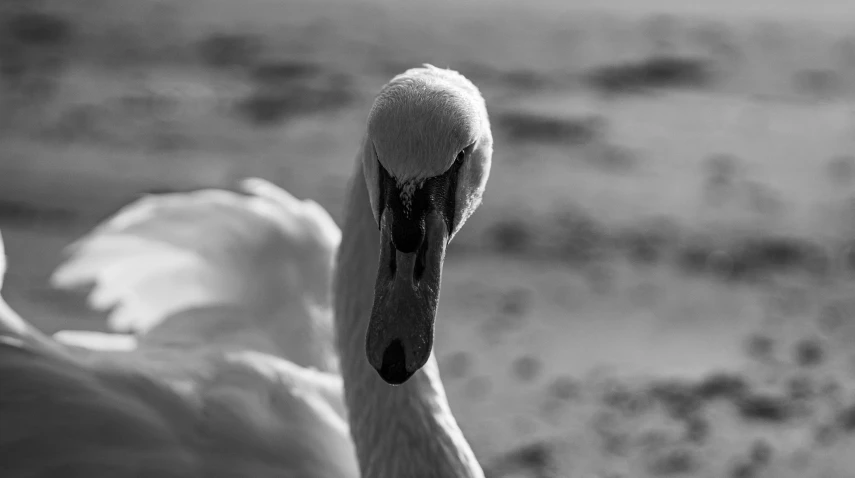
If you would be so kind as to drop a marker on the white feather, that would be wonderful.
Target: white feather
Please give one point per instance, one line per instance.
(286, 420)
(96, 340)
(263, 253)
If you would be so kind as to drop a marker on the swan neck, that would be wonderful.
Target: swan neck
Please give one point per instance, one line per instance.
(406, 430)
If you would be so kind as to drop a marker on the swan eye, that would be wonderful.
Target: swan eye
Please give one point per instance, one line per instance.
(463, 152)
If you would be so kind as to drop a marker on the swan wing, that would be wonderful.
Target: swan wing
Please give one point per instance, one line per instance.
(186, 413)
(61, 419)
(235, 416)
(46, 401)
(251, 268)
(96, 341)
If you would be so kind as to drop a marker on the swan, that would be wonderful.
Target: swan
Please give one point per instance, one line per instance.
(200, 392)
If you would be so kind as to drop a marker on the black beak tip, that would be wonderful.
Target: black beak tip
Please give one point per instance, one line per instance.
(393, 369)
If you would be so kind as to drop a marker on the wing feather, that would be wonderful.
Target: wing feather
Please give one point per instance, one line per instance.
(262, 255)
(187, 413)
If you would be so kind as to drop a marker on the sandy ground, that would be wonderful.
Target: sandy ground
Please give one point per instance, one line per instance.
(565, 351)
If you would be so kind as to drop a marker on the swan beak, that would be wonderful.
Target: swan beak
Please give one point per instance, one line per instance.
(400, 333)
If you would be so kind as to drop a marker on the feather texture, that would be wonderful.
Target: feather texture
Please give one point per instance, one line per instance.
(240, 415)
(109, 405)
(251, 270)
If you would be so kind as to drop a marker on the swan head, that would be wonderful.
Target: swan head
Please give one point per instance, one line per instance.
(426, 161)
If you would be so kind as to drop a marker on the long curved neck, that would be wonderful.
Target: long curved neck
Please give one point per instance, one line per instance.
(406, 430)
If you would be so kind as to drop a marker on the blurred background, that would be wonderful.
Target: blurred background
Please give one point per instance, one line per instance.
(660, 280)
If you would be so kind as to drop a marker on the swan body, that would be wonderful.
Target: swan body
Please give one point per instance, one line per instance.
(233, 299)
(204, 389)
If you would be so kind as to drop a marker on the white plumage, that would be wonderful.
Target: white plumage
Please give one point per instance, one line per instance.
(184, 269)
(240, 262)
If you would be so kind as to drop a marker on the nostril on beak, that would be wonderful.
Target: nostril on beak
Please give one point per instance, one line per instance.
(421, 263)
(394, 367)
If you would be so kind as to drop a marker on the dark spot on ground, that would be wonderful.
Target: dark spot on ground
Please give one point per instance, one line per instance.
(679, 399)
(800, 388)
(846, 419)
(535, 458)
(697, 429)
(27, 214)
(809, 353)
(478, 387)
(761, 453)
(657, 72)
(457, 365)
(722, 386)
(760, 347)
(565, 388)
(629, 402)
(743, 469)
(526, 368)
(516, 302)
(510, 236)
(540, 128)
(678, 461)
(766, 408)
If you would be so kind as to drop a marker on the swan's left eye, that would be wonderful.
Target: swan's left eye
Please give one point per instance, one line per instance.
(461, 156)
